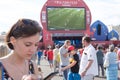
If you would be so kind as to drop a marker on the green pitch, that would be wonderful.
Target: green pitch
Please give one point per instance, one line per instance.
(66, 18)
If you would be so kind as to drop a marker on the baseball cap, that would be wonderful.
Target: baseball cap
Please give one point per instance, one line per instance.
(70, 48)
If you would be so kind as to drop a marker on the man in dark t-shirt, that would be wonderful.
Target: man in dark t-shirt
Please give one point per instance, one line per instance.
(100, 57)
(74, 65)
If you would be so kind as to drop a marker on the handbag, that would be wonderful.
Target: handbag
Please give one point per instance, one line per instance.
(106, 63)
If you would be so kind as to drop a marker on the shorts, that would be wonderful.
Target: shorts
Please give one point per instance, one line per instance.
(74, 76)
(50, 61)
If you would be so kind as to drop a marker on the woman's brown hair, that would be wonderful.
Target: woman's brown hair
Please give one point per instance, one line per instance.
(23, 28)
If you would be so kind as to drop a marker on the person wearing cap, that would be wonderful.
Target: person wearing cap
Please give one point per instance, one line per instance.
(88, 64)
(112, 68)
(74, 65)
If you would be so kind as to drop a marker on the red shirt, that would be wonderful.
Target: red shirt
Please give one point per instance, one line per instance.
(50, 54)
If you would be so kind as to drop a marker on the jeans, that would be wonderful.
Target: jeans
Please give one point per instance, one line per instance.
(102, 69)
(38, 61)
(65, 73)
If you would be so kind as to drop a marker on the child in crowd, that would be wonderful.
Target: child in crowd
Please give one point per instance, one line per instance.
(74, 65)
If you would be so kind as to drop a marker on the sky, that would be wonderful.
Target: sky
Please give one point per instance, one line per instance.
(106, 11)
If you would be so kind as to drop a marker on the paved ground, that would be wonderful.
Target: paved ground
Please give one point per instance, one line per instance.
(46, 71)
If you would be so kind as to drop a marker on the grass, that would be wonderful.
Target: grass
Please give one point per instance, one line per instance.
(66, 18)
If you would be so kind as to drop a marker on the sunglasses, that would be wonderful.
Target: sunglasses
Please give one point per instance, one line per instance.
(29, 22)
(24, 22)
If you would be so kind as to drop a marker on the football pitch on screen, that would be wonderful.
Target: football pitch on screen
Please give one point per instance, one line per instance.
(66, 18)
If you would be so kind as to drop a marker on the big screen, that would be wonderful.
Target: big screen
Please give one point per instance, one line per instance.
(62, 18)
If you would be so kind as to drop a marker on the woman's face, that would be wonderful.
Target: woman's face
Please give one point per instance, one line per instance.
(26, 47)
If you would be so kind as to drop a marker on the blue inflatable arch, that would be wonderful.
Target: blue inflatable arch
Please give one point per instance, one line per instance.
(100, 31)
(113, 34)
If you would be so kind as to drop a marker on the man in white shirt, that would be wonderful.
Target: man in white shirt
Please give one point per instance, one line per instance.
(88, 64)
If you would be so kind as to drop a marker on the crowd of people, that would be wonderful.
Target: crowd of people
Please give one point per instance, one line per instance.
(84, 63)
(74, 64)
(87, 62)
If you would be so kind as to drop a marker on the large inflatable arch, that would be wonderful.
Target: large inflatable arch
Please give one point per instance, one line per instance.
(113, 35)
(100, 31)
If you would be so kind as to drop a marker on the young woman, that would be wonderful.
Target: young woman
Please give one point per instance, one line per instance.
(23, 38)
